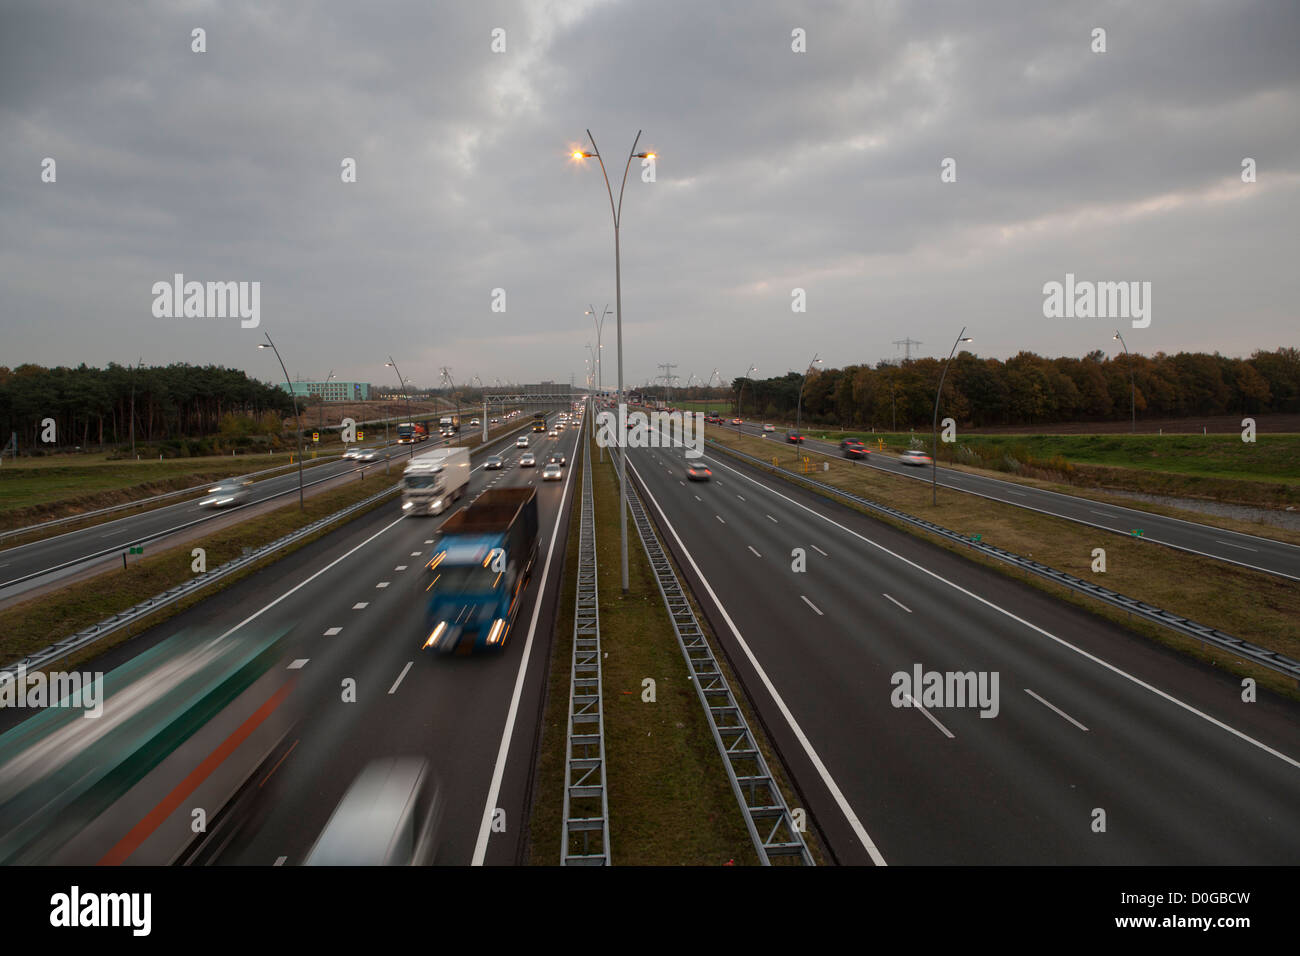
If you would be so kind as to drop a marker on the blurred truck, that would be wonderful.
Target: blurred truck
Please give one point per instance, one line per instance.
(434, 480)
(480, 566)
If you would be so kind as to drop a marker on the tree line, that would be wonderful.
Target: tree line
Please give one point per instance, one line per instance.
(1030, 389)
(93, 406)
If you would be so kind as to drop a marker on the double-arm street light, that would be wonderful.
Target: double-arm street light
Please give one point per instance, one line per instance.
(268, 344)
(1132, 386)
(409, 420)
(600, 325)
(617, 212)
(798, 415)
(934, 462)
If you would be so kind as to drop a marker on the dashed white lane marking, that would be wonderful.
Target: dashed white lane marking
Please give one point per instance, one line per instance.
(299, 664)
(330, 632)
(771, 519)
(428, 541)
(741, 497)
(812, 605)
(1102, 513)
(400, 676)
(698, 498)
(930, 717)
(1231, 545)
(820, 551)
(279, 861)
(382, 584)
(720, 518)
(900, 604)
(751, 548)
(360, 604)
(400, 567)
(416, 554)
(1056, 709)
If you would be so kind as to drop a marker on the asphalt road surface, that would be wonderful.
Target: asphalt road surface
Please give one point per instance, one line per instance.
(1261, 554)
(1093, 726)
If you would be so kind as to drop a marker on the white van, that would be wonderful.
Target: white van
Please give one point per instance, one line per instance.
(434, 480)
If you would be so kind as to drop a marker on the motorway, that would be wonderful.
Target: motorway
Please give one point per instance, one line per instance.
(1250, 551)
(1090, 719)
(35, 564)
(353, 602)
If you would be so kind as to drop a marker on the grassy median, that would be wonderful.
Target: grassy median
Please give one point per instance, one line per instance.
(1251, 605)
(669, 800)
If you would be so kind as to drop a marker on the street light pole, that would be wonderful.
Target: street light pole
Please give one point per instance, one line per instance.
(600, 325)
(739, 407)
(617, 212)
(296, 418)
(1132, 386)
(798, 415)
(133, 371)
(409, 420)
(934, 462)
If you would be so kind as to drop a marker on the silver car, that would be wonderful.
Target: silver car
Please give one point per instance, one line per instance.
(388, 817)
(552, 472)
(527, 460)
(914, 456)
(233, 491)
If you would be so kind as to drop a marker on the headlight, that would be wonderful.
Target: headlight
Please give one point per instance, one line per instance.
(406, 506)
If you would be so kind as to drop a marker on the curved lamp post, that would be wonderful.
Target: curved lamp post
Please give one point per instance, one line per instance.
(401, 381)
(1132, 387)
(268, 344)
(798, 415)
(934, 460)
(739, 407)
(617, 212)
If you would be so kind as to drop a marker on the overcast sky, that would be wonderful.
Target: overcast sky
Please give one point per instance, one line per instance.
(776, 170)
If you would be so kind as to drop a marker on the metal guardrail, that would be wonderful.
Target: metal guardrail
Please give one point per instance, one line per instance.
(63, 648)
(767, 818)
(1201, 632)
(586, 799)
(146, 501)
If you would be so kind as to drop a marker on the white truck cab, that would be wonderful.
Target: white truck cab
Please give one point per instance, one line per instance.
(432, 481)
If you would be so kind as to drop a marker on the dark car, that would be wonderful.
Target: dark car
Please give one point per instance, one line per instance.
(850, 441)
(856, 451)
(494, 462)
(557, 459)
(698, 472)
(794, 438)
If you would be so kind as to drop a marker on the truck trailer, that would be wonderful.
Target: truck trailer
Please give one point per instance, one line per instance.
(479, 568)
(432, 481)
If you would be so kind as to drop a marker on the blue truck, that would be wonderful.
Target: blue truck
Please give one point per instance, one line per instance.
(480, 565)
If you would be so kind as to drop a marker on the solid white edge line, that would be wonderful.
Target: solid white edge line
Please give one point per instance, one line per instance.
(1057, 709)
(499, 771)
(930, 717)
(1034, 627)
(827, 780)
